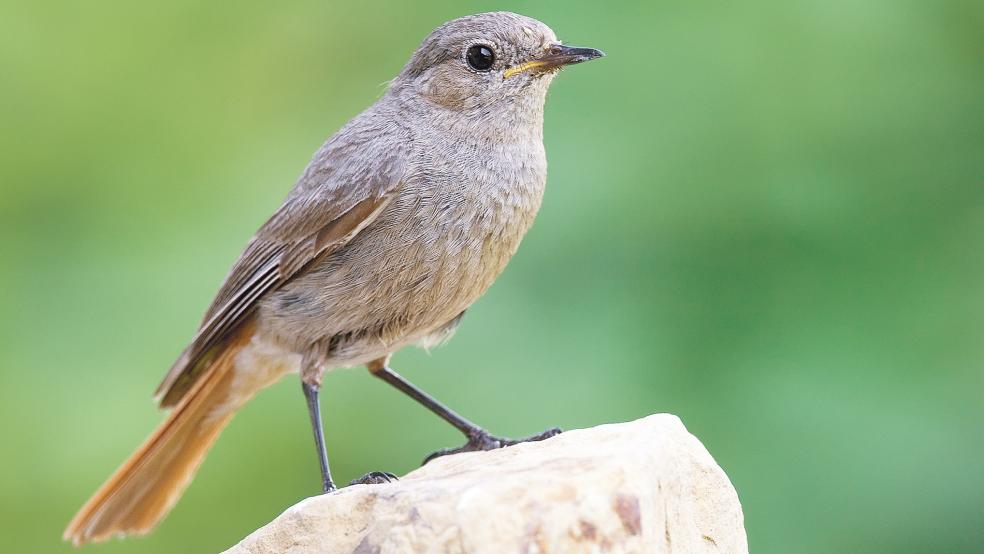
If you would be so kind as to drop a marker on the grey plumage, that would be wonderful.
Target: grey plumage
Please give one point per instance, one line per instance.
(452, 162)
(401, 220)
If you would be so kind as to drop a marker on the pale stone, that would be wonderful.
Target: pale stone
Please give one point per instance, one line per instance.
(643, 486)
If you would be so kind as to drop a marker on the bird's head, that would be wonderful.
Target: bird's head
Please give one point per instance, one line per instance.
(479, 62)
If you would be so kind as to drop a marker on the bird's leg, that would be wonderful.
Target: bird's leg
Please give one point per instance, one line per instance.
(314, 410)
(311, 390)
(478, 438)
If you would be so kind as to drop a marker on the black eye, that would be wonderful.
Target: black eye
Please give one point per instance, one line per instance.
(480, 57)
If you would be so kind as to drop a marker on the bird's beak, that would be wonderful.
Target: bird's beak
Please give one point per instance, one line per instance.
(557, 56)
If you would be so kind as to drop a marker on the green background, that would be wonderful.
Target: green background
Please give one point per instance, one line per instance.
(763, 216)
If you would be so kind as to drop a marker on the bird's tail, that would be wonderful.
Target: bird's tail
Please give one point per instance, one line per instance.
(142, 491)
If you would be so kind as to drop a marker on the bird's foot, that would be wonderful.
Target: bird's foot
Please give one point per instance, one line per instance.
(375, 478)
(482, 440)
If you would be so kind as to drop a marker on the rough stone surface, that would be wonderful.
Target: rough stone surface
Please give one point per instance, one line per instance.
(643, 486)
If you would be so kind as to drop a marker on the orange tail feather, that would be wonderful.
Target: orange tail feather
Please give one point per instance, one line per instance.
(142, 491)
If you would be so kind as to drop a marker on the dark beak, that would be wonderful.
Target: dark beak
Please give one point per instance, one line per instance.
(556, 57)
(561, 55)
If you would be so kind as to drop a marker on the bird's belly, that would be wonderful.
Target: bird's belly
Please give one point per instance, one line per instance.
(403, 278)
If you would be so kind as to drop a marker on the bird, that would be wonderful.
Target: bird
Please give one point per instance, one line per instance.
(400, 221)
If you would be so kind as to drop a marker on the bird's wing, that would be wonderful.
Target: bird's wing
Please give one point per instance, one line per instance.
(346, 185)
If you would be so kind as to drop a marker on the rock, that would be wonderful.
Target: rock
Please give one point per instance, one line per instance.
(644, 486)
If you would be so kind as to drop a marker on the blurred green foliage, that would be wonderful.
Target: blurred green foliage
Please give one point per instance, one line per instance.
(763, 216)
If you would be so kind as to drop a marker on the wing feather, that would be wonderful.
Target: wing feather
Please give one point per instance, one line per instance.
(342, 191)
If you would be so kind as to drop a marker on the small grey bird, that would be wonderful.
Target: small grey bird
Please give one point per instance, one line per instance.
(401, 220)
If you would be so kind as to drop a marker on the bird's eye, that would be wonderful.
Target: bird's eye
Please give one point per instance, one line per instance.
(480, 57)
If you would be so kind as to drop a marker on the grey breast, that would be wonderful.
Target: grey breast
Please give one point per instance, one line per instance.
(438, 245)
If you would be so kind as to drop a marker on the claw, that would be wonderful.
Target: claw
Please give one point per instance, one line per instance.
(482, 440)
(375, 478)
